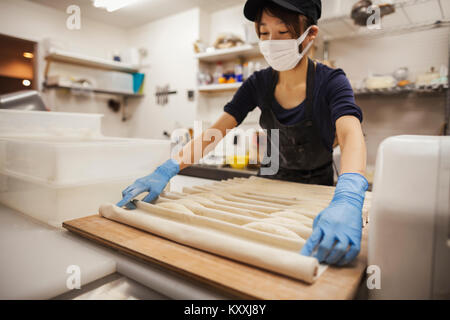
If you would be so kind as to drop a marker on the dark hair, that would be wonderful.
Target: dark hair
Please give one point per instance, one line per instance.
(290, 18)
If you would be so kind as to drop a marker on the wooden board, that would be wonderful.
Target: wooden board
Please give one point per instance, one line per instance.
(235, 278)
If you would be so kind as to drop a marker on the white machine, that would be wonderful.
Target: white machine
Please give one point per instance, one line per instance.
(409, 228)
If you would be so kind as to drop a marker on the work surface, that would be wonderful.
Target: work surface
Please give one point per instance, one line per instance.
(238, 279)
(226, 275)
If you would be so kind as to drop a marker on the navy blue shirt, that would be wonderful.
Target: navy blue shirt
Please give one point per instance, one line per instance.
(333, 98)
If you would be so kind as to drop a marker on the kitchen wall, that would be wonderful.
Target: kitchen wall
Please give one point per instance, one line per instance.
(170, 60)
(230, 20)
(30, 21)
(418, 51)
(386, 116)
(392, 115)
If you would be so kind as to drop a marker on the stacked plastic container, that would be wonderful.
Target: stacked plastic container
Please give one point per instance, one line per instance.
(58, 166)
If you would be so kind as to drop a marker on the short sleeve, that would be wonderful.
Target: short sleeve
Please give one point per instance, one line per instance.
(244, 100)
(340, 97)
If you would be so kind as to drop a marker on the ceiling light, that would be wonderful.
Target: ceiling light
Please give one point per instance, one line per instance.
(26, 83)
(112, 5)
(28, 55)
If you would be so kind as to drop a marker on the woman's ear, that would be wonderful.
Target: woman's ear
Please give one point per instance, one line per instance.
(313, 32)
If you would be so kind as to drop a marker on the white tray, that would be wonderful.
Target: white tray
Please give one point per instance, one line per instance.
(70, 161)
(53, 204)
(22, 122)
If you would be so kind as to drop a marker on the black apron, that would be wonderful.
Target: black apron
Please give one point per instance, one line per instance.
(302, 156)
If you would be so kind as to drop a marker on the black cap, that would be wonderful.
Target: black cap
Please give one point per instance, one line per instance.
(309, 8)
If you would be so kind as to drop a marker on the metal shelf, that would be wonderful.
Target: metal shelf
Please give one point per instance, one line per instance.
(341, 26)
(124, 94)
(245, 51)
(366, 33)
(219, 87)
(432, 89)
(94, 62)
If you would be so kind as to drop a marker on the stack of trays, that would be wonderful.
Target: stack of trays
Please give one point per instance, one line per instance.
(57, 175)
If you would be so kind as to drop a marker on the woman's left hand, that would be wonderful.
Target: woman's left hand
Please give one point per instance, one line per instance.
(337, 229)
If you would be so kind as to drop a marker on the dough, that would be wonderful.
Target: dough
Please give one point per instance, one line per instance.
(210, 204)
(230, 197)
(199, 209)
(262, 222)
(310, 211)
(231, 228)
(201, 199)
(303, 231)
(219, 200)
(297, 217)
(272, 228)
(210, 196)
(171, 195)
(286, 189)
(286, 262)
(175, 206)
(266, 198)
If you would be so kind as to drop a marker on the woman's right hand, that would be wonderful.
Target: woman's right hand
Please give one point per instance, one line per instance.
(154, 184)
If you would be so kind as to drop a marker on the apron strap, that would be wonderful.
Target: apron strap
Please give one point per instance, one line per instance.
(310, 83)
(268, 97)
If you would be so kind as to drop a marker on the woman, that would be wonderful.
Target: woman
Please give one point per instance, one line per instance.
(309, 103)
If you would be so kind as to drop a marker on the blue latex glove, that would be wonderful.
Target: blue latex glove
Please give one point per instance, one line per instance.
(340, 224)
(154, 183)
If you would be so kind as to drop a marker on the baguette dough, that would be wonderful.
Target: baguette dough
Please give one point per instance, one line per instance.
(303, 231)
(292, 215)
(210, 204)
(262, 222)
(220, 225)
(286, 262)
(271, 228)
(306, 221)
(175, 206)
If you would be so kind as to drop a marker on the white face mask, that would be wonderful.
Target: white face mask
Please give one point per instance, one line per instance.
(284, 55)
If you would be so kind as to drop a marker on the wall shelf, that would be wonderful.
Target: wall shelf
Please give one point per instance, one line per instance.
(244, 51)
(432, 89)
(409, 16)
(88, 61)
(100, 91)
(219, 87)
(364, 33)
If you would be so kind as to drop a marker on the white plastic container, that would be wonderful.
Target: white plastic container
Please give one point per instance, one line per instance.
(409, 240)
(53, 204)
(65, 161)
(58, 166)
(115, 81)
(24, 123)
